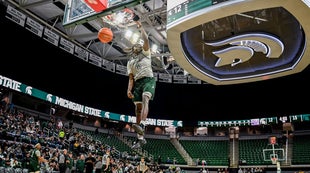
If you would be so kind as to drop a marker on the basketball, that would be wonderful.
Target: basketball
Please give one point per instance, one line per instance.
(105, 35)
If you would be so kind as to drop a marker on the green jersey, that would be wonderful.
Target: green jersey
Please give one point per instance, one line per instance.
(34, 161)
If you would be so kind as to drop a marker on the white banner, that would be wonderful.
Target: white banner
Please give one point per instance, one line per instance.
(192, 80)
(15, 16)
(120, 69)
(108, 65)
(162, 77)
(179, 78)
(51, 36)
(66, 45)
(95, 60)
(34, 27)
(81, 53)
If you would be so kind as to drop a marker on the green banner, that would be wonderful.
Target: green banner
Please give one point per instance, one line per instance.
(26, 89)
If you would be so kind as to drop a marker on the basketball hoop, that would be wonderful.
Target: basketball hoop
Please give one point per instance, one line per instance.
(274, 160)
(120, 18)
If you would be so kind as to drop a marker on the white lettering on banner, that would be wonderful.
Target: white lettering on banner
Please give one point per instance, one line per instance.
(68, 104)
(151, 121)
(9, 83)
(165, 123)
(92, 111)
(132, 119)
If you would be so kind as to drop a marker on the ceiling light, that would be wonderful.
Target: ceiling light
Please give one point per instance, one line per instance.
(128, 34)
(252, 17)
(134, 39)
(154, 48)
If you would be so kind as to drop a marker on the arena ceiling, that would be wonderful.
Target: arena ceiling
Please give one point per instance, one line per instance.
(251, 41)
(78, 24)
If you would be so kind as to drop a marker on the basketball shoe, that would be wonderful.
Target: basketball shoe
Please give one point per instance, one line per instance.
(138, 144)
(139, 128)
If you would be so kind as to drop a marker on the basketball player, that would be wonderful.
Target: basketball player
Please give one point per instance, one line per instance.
(141, 85)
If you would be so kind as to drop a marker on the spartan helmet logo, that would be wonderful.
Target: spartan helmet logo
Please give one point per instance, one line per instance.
(243, 47)
(180, 123)
(107, 115)
(49, 97)
(29, 90)
(122, 117)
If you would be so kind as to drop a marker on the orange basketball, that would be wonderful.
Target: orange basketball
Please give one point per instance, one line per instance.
(105, 35)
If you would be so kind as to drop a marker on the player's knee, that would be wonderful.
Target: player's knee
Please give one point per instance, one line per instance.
(139, 106)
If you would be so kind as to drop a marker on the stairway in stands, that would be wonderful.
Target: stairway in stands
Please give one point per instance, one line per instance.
(182, 151)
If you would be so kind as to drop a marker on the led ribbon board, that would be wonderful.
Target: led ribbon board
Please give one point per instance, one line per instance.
(239, 41)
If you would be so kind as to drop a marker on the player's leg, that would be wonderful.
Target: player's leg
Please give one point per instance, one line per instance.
(139, 127)
(138, 110)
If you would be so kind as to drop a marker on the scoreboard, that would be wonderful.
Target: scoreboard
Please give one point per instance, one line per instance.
(224, 123)
(256, 121)
(299, 118)
(295, 118)
(231, 123)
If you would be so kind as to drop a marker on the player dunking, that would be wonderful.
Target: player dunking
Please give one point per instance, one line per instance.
(141, 84)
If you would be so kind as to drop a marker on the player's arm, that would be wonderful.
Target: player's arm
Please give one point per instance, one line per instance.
(144, 36)
(130, 86)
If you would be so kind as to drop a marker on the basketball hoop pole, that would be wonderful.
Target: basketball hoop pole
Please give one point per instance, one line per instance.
(273, 152)
(273, 158)
(278, 166)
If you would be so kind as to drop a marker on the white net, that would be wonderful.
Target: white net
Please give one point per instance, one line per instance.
(274, 160)
(120, 18)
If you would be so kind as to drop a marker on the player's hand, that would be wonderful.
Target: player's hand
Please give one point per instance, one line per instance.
(139, 24)
(130, 95)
